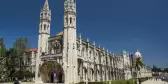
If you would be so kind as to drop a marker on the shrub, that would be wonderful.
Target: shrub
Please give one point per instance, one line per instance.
(18, 74)
(28, 74)
(113, 82)
(81, 83)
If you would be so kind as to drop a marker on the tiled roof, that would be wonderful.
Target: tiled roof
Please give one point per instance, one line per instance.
(31, 50)
(60, 33)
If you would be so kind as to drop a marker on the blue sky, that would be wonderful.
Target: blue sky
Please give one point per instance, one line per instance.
(114, 24)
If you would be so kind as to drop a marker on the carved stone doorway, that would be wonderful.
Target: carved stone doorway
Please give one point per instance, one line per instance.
(47, 72)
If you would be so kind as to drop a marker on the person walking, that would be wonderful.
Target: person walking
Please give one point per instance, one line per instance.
(16, 81)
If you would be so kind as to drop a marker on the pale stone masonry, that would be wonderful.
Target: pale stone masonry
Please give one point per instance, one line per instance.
(29, 61)
(80, 59)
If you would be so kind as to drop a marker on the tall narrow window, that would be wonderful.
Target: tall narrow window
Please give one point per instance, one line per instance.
(70, 20)
(41, 14)
(44, 27)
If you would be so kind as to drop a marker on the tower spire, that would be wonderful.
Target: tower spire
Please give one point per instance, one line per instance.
(69, 42)
(44, 34)
(46, 5)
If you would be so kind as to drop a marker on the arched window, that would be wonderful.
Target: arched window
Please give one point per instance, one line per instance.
(90, 52)
(41, 14)
(70, 20)
(44, 27)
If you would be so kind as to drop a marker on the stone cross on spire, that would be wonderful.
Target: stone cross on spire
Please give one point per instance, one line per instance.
(46, 5)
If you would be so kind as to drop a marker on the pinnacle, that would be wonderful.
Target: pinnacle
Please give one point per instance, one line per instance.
(46, 5)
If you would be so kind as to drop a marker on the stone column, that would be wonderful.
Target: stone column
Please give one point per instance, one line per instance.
(87, 75)
(83, 74)
(93, 75)
(98, 75)
(107, 75)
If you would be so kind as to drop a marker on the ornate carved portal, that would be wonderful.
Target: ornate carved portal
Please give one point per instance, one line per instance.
(47, 70)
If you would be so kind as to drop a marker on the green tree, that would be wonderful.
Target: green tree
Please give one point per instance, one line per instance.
(11, 63)
(20, 45)
(2, 54)
(2, 48)
(3, 59)
(138, 65)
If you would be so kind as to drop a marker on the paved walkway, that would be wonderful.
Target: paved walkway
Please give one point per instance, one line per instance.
(153, 81)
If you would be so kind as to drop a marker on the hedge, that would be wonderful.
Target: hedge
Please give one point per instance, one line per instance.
(28, 74)
(22, 74)
(145, 78)
(112, 82)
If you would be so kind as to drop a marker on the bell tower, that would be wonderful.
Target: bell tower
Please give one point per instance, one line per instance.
(44, 28)
(44, 34)
(69, 42)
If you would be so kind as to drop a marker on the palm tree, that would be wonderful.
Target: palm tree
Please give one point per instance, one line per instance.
(138, 65)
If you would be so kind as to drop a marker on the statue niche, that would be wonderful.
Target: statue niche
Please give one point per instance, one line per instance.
(55, 47)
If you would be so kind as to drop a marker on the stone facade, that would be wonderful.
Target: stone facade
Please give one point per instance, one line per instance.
(30, 60)
(80, 59)
(145, 72)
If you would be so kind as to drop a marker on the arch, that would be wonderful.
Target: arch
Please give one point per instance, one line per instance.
(47, 69)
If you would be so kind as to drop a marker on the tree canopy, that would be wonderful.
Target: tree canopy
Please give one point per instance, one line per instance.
(20, 45)
(2, 48)
(139, 63)
(11, 59)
